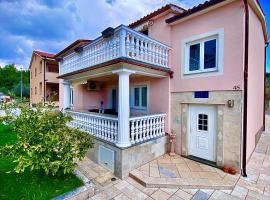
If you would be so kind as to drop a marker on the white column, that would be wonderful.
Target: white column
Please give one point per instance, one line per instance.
(122, 42)
(123, 107)
(66, 99)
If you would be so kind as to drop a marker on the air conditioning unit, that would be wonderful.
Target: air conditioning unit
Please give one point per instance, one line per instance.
(93, 86)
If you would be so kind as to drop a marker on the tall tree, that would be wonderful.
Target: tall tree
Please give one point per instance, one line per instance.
(10, 77)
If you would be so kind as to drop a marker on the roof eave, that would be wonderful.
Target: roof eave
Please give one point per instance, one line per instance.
(155, 14)
(219, 3)
(197, 10)
(72, 45)
(259, 12)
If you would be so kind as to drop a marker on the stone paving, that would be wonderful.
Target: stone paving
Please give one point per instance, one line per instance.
(176, 171)
(255, 186)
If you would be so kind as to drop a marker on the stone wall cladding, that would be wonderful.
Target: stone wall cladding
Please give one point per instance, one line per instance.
(229, 123)
(127, 159)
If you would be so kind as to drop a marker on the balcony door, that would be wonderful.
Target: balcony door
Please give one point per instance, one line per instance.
(113, 99)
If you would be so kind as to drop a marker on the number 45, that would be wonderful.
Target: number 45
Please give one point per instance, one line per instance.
(236, 87)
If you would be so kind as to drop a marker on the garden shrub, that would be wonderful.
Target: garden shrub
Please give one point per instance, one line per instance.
(44, 141)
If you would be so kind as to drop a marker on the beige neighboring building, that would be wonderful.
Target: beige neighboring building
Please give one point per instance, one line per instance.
(44, 86)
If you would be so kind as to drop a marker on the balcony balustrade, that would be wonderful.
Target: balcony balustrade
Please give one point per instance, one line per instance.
(123, 43)
(142, 128)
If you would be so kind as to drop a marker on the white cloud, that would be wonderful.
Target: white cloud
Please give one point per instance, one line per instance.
(98, 15)
(3, 63)
(52, 25)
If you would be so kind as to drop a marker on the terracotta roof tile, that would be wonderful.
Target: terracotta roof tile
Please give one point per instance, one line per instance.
(155, 13)
(194, 9)
(41, 54)
(198, 8)
(44, 54)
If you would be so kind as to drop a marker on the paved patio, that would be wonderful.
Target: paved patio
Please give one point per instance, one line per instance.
(255, 186)
(178, 172)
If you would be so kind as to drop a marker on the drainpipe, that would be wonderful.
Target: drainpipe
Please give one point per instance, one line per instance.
(244, 153)
(44, 77)
(264, 104)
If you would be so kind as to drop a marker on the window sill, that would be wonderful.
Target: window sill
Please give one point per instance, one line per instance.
(201, 72)
(139, 109)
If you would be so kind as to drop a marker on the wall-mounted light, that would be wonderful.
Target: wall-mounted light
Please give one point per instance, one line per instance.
(230, 103)
(150, 23)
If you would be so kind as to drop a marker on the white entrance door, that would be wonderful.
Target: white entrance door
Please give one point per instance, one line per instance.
(202, 132)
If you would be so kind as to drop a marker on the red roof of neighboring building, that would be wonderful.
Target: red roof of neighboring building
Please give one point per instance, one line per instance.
(44, 54)
(41, 54)
(155, 13)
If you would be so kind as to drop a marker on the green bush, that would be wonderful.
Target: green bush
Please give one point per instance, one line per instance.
(44, 142)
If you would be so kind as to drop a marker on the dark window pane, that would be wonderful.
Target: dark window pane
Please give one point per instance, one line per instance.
(144, 96)
(210, 54)
(114, 100)
(71, 96)
(203, 122)
(136, 96)
(194, 57)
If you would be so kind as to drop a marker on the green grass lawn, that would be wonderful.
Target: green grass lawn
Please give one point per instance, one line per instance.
(29, 185)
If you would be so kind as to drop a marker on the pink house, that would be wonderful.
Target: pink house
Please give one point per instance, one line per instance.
(197, 72)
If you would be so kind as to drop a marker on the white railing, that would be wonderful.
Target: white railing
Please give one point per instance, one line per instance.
(144, 128)
(100, 126)
(125, 42)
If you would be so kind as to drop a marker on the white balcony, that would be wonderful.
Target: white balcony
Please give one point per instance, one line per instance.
(123, 43)
(142, 128)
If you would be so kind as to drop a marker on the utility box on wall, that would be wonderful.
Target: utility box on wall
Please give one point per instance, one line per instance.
(106, 157)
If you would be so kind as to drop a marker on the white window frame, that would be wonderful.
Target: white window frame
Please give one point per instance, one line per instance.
(71, 97)
(132, 97)
(201, 39)
(202, 124)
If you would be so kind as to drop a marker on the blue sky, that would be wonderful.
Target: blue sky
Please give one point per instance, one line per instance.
(50, 25)
(266, 8)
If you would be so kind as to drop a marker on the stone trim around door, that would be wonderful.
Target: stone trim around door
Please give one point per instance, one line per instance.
(228, 123)
(219, 129)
